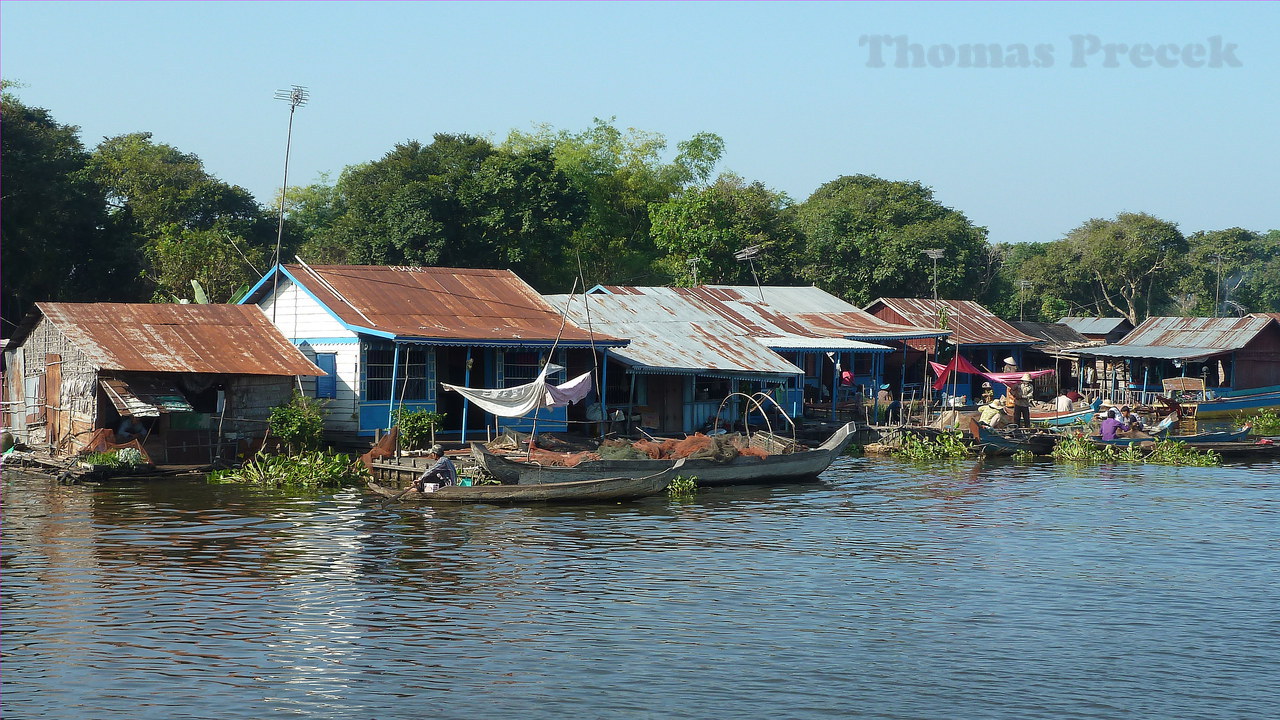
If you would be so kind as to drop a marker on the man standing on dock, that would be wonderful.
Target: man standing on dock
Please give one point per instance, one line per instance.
(441, 472)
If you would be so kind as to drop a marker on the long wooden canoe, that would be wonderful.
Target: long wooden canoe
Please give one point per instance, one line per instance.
(742, 470)
(577, 491)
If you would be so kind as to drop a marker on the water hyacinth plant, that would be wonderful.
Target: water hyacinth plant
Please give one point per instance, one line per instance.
(1080, 450)
(313, 469)
(946, 446)
(1264, 422)
(683, 488)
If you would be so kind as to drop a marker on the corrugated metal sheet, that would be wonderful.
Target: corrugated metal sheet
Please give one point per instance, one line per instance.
(145, 396)
(670, 333)
(1055, 336)
(1092, 326)
(224, 339)
(1147, 351)
(791, 312)
(440, 303)
(970, 323)
(1220, 334)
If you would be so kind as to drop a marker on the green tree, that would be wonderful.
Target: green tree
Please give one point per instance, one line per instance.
(175, 210)
(1226, 272)
(621, 174)
(866, 237)
(459, 202)
(1128, 265)
(55, 243)
(706, 226)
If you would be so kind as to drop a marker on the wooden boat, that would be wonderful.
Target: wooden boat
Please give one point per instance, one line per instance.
(990, 441)
(1194, 440)
(576, 491)
(742, 470)
(1054, 418)
(1227, 406)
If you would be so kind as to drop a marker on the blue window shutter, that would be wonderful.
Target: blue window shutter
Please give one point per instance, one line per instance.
(327, 385)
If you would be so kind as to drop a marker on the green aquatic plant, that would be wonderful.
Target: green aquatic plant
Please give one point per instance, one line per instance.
(683, 487)
(1076, 448)
(1172, 452)
(116, 459)
(310, 469)
(1023, 456)
(946, 446)
(1079, 449)
(1264, 422)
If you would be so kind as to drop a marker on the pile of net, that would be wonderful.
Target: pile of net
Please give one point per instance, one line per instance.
(720, 448)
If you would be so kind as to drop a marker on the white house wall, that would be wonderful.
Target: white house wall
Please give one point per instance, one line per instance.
(310, 327)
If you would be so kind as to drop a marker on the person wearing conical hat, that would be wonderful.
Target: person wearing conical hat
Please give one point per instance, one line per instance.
(1022, 394)
(1010, 365)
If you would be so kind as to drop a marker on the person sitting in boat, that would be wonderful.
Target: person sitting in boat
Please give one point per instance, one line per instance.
(992, 414)
(1066, 401)
(1111, 427)
(442, 471)
(1132, 421)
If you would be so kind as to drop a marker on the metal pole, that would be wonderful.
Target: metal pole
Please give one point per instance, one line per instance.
(395, 369)
(296, 97)
(466, 405)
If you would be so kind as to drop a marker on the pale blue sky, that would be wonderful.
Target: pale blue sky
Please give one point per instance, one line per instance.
(1030, 153)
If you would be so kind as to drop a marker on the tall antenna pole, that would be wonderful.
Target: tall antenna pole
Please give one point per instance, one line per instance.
(297, 96)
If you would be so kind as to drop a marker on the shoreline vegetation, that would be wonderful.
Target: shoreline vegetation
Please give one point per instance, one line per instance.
(134, 219)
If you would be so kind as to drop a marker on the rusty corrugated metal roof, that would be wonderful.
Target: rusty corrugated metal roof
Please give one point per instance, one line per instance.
(439, 303)
(970, 323)
(790, 312)
(224, 339)
(1052, 335)
(673, 334)
(1220, 334)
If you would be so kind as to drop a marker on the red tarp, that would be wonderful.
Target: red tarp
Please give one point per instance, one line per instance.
(960, 365)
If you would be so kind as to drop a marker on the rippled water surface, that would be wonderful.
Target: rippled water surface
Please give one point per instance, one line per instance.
(883, 591)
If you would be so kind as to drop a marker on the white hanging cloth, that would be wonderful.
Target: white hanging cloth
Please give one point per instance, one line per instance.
(521, 400)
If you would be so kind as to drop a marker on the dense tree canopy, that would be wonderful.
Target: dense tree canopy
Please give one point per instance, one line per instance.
(54, 238)
(867, 237)
(702, 228)
(459, 202)
(135, 219)
(621, 174)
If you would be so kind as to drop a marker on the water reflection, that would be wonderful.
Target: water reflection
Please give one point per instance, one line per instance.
(991, 589)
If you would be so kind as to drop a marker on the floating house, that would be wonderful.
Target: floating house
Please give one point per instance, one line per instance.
(388, 336)
(682, 362)
(199, 378)
(826, 336)
(1056, 349)
(1107, 330)
(1228, 354)
(976, 333)
(825, 345)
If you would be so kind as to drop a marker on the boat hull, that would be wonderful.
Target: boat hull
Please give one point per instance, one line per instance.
(742, 470)
(1228, 407)
(579, 491)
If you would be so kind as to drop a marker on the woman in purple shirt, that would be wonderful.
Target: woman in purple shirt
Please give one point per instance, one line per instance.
(1110, 426)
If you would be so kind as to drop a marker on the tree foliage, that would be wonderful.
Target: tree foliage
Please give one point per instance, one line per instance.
(55, 243)
(178, 213)
(866, 238)
(621, 174)
(704, 227)
(458, 202)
